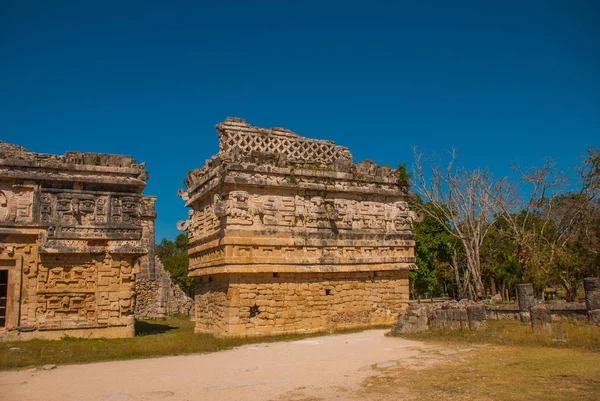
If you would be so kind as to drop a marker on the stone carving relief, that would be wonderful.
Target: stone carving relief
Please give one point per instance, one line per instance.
(57, 307)
(16, 203)
(57, 277)
(125, 210)
(81, 209)
(240, 208)
(244, 209)
(3, 206)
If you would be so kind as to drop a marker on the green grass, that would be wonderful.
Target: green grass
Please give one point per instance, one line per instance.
(173, 336)
(511, 332)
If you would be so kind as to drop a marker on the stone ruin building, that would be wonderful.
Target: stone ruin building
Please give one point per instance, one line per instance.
(157, 297)
(287, 235)
(74, 231)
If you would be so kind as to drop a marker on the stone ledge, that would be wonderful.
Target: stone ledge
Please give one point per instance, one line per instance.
(266, 268)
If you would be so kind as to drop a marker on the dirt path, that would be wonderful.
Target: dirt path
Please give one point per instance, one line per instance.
(321, 368)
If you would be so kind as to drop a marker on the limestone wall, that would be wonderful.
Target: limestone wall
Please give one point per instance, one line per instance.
(285, 303)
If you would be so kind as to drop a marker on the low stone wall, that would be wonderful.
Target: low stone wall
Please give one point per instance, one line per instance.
(502, 312)
(159, 298)
(464, 314)
(558, 311)
(447, 315)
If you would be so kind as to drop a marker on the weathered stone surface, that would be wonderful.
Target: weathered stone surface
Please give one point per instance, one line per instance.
(592, 298)
(502, 312)
(592, 292)
(594, 316)
(526, 301)
(415, 319)
(525, 296)
(477, 315)
(447, 315)
(158, 298)
(74, 230)
(541, 318)
(287, 235)
(451, 318)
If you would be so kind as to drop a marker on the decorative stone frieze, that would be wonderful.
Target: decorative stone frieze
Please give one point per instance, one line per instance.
(287, 235)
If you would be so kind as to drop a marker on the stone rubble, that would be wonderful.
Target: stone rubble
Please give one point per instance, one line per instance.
(159, 298)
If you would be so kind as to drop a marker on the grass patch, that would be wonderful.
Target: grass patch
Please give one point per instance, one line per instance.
(173, 336)
(496, 373)
(515, 333)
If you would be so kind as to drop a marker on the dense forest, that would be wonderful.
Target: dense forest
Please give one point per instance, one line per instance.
(481, 236)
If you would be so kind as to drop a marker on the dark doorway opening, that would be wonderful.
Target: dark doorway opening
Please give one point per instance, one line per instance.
(3, 296)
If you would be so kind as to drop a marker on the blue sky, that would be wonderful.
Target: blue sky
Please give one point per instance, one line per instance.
(502, 82)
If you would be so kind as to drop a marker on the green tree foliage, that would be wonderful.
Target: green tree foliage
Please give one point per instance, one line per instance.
(433, 254)
(403, 175)
(174, 257)
(500, 265)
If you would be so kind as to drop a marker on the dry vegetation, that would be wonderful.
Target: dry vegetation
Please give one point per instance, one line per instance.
(506, 361)
(493, 373)
(510, 332)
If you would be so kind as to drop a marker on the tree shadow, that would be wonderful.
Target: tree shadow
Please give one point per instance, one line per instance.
(143, 328)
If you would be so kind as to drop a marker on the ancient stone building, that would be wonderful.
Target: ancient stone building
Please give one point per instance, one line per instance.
(287, 235)
(74, 231)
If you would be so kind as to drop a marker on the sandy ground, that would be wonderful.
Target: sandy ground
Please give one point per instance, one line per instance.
(320, 368)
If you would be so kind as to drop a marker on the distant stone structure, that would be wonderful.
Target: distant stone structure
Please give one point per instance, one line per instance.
(159, 297)
(74, 231)
(287, 235)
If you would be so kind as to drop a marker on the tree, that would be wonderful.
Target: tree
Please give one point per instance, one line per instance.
(433, 254)
(550, 223)
(174, 257)
(460, 201)
(500, 267)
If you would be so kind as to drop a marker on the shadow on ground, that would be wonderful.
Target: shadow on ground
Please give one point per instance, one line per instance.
(143, 328)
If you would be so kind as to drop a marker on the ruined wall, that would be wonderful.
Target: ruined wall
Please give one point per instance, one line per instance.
(70, 240)
(272, 202)
(159, 297)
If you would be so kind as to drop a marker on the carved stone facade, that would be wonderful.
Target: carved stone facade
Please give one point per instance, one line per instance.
(287, 235)
(74, 231)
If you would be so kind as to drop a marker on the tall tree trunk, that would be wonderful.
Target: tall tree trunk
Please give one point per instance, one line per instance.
(454, 265)
(466, 283)
(474, 268)
(571, 292)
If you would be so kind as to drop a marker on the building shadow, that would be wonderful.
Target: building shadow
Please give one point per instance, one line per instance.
(144, 328)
